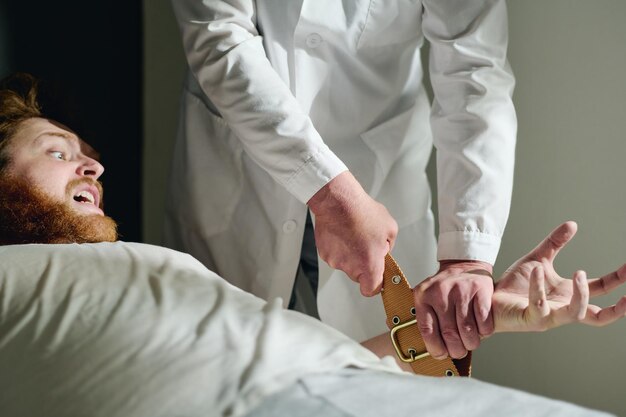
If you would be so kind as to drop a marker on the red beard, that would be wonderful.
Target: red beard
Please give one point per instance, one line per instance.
(27, 215)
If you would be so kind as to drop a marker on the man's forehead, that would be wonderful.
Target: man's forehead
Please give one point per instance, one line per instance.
(38, 127)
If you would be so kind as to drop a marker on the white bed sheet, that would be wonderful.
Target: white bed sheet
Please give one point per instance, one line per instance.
(127, 329)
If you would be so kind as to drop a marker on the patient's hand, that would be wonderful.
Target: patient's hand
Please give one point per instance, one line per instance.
(531, 296)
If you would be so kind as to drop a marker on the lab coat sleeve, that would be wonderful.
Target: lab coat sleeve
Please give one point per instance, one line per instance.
(473, 122)
(225, 54)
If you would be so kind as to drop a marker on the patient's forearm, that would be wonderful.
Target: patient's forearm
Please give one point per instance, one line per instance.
(381, 346)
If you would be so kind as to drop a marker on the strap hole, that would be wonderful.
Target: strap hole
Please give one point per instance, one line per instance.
(396, 279)
(395, 320)
(449, 372)
(412, 311)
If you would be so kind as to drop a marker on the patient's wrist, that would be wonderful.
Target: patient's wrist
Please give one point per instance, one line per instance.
(381, 346)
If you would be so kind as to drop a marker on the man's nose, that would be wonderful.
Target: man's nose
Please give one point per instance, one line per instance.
(90, 168)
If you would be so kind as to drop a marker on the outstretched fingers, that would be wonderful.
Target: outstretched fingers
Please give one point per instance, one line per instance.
(543, 314)
(607, 283)
(597, 316)
(577, 309)
(554, 242)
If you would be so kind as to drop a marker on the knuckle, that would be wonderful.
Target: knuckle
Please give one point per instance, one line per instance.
(438, 353)
(394, 229)
(486, 285)
(431, 294)
(450, 334)
(437, 304)
(337, 264)
(482, 313)
(441, 304)
(463, 314)
(460, 294)
(324, 254)
(419, 294)
(467, 328)
(436, 348)
(426, 329)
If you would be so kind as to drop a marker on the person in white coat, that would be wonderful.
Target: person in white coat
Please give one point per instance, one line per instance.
(291, 105)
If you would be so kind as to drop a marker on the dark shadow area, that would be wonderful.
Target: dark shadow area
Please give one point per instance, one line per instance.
(89, 56)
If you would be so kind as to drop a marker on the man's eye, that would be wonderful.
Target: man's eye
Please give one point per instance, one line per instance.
(58, 155)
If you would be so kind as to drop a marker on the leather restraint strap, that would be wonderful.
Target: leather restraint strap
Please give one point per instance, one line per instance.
(405, 336)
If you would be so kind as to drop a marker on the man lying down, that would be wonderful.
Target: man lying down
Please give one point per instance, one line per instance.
(91, 326)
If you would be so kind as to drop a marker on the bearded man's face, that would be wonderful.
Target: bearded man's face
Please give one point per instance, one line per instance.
(49, 191)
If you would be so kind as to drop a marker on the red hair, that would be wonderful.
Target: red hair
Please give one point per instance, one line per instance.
(18, 102)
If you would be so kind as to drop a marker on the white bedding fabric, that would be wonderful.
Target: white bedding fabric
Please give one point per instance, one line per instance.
(127, 329)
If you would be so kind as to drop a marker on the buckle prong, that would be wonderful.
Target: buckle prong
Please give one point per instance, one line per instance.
(413, 355)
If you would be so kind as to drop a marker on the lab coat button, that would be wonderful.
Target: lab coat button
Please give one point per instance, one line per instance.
(314, 40)
(289, 226)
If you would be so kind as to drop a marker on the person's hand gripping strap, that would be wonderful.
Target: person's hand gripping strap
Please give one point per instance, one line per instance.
(399, 306)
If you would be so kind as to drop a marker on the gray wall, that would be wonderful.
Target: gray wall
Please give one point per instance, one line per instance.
(164, 65)
(569, 57)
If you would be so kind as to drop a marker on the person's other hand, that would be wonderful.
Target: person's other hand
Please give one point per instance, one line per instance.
(453, 308)
(353, 232)
(531, 296)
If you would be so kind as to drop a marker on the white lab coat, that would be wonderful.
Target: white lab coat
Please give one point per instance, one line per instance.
(283, 95)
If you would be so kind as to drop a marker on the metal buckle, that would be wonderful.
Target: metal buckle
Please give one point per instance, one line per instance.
(414, 356)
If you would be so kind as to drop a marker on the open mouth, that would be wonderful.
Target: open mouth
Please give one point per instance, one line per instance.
(85, 197)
